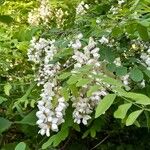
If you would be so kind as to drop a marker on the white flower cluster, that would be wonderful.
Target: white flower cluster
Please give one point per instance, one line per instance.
(49, 117)
(104, 40)
(90, 54)
(86, 55)
(84, 106)
(47, 49)
(43, 13)
(81, 8)
(117, 62)
(125, 79)
(145, 56)
(120, 2)
(114, 10)
(59, 17)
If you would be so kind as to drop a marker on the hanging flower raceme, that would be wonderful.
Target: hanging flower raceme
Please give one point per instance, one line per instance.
(42, 13)
(49, 116)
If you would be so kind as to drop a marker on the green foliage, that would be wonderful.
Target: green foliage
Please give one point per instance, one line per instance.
(132, 117)
(122, 110)
(104, 104)
(20, 146)
(4, 124)
(128, 32)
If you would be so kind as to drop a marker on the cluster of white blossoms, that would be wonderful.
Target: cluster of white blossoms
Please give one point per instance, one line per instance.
(114, 10)
(59, 17)
(86, 55)
(117, 62)
(90, 54)
(84, 106)
(145, 56)
(49, 116)
(81, 8)
(43, 13)
(125, 79)
(120, 2)
(104, 40)
(45, 48)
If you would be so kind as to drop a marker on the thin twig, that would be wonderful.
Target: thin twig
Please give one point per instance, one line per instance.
(100, 142)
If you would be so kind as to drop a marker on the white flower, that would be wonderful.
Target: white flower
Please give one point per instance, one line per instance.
(143, 84)
(54, 127)
(104, 40)
(77, 45)
(114, 10)
(117, 62)
(125, 79)
(79, 36)
(120, 2)
(81, 8)
(147, 61)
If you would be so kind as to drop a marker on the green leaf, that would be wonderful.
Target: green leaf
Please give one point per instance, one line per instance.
(65, 93)
(92, 132)
(132, 117)
(136, 75)
(64, 53)
(2, 99)
(6, 19)
(29, 119)
(83, 82)
(111, 67)
(117, 31)
(7, 88)
(122, 110)
(21, 146)
(4, 124)
(73, 79)
(64, 75)
(147, 73)
(138, 98)
(104, 104)
(2, 2)
(92, 90)
(121, 71)
(84, 69)
(112, 81)
(74, 90)
(143, 32)
(56, 139)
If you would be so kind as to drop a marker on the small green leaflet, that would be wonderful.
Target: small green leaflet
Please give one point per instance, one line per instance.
(74, 79)
(132, 117)
(56, 139)
(83, 82)
(143, 32)
(64, 75)
(21, 146)
(92, 90)
(4, 124)
(136, 75)
(29, 119)
(122, 110)
(104, 104)
(121, 71)
(65, 93)
(2, 99)
(138, 98)
(7, 89)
